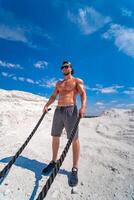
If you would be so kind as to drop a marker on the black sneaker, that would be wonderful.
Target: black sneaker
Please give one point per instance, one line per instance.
(49, 167)
(73, 181)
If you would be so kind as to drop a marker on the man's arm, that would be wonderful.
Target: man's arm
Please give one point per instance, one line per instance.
(82, 92)
(51, 99)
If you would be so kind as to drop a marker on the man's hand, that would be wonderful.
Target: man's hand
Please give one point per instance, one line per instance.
(82, 111)
(45, 109)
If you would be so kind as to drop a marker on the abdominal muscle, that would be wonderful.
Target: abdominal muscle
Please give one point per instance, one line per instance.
(67, 100)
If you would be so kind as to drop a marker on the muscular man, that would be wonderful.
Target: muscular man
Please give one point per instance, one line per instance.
(65, 115)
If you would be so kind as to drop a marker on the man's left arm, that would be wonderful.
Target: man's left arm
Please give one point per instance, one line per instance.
(82, 92)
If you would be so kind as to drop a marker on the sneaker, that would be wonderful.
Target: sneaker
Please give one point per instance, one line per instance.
(73, 177)
(49, 167)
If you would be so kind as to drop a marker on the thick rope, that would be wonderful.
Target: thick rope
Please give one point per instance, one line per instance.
(91, 116)
(11, 162)
(55, 170)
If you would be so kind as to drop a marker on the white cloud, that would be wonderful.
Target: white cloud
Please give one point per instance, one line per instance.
(15, 78)
(123, 38)
(129, 92)
(118, 86)
(4, 74)
(121, 105)
(42, 83)
(91, 89)
(41, 64)
(131, 88)
(12, 33)
(30, 81)
(37, 82)
(126, 12)
(101, 107)
(21, 79)
(17, 30)
(9, 65)
(106, 90)
(99, 103)
(114, 101)
(130, 105)
(89, 20)
(49, 83)
(112, 89)
(87, 87)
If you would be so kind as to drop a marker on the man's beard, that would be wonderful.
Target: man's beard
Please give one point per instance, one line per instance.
(65, 74)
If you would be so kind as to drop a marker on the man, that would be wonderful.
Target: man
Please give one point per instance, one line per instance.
(65, 116)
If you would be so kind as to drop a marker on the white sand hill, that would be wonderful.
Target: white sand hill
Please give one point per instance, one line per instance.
(106, 168)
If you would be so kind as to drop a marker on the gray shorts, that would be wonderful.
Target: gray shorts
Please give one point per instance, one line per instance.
(64, 117)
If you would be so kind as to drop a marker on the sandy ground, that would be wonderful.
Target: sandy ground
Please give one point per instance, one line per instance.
(106, 168)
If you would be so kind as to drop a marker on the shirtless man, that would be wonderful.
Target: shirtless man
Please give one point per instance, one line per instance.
(65, 115)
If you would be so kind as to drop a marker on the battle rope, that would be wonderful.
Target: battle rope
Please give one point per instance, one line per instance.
(9, 165)
(55, 170)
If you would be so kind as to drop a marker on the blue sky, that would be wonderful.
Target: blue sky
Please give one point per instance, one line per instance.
(97, 36)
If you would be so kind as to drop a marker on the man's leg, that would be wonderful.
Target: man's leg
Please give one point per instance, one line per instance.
(76, 152)
(55, 147)
(73, 181)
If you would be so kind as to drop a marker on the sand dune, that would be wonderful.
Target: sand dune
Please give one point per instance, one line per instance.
(106, 169)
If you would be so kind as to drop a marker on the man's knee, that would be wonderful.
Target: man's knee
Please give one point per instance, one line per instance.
(55, 138)
(75, 140)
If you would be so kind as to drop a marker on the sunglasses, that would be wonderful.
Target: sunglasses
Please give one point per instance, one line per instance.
(65, 66)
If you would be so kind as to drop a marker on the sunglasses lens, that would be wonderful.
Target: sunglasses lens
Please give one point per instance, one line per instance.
(65, 66)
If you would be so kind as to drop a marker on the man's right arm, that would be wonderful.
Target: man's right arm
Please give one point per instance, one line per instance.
(51, 99)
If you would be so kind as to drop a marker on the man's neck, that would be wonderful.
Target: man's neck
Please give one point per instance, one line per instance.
(69, 76)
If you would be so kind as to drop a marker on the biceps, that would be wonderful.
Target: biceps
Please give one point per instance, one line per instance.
(81, 89)
(55, 93)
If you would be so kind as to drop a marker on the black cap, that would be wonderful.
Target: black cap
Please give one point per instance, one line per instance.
(67, 62)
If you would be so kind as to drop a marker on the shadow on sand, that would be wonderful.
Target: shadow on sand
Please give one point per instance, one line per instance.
(36, 167)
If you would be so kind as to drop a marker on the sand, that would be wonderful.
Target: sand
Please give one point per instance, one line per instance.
(106, 167)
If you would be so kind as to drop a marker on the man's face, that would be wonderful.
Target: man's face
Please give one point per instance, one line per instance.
(66, 69)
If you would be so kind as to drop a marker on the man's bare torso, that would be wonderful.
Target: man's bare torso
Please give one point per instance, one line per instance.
(67, 92)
